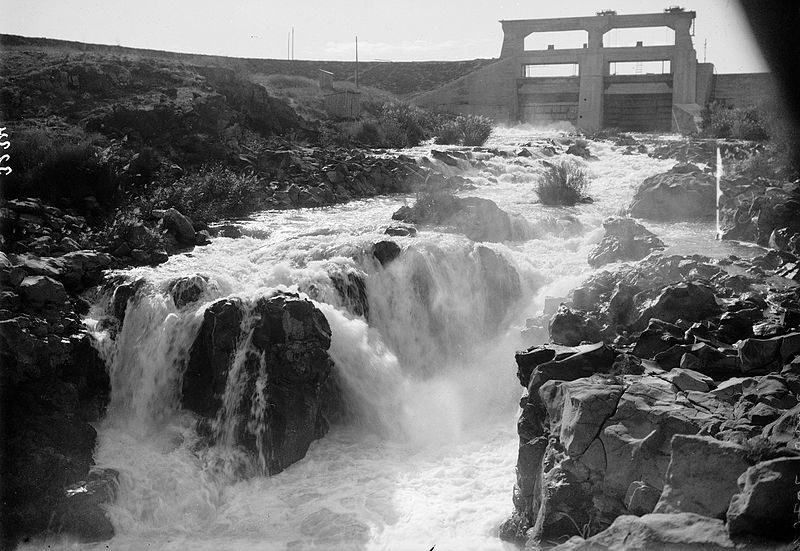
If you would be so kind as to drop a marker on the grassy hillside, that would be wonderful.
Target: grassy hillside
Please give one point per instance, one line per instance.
(400, 78)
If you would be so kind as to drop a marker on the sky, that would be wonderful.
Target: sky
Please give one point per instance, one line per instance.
(399, 30)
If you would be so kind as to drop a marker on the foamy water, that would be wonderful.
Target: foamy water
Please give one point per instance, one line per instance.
(429, 460)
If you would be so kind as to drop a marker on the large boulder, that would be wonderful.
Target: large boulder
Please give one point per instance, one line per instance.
(702, 476)
(625, 239)
(571, 328)
(590, 443)
(272, 381)
(765, 504)
(478, 219)
(181, 226)
(685, 301)
(42, 290)
(664, 532)
(682, 193)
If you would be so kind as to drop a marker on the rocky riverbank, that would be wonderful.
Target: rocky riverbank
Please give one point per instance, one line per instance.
(665, 411)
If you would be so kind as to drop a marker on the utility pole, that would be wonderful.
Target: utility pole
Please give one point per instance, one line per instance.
(292, 43)
(356, 61)
(705, 49)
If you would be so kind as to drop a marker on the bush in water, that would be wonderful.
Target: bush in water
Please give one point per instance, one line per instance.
(464, 130)
(562, 184)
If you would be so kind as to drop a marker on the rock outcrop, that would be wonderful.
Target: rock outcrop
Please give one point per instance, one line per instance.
(625, 239)
(478, 219)
(688, 422)
(683, 193)
(260, 370)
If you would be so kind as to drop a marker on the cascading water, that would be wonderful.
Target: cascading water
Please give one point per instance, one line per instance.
(423, 350)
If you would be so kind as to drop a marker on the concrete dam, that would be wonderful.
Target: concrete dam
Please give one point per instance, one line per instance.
(595, 83)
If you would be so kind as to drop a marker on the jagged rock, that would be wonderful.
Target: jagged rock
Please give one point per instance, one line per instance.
(42, 290)
(687, 301)
(292, 336)
(478, 219)
(641, 499)
(401, 231)
(528, 359)
(784, 429)
(656, 531)
(385, 251)
(701, 477)
(687, 379)
(658, 337)
(764, 505)
(768, 354)
(186, 290)
(625, 239)
(572, 328)
(676, 195)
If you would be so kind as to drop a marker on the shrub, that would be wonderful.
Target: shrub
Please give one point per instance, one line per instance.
(212, 192)
(53, 164)
(562, 184)
(742, 123)
(289, 81)
(402, 125)
(463, 130)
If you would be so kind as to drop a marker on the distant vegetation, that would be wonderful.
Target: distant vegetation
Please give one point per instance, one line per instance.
(563, 183)
(767, 124)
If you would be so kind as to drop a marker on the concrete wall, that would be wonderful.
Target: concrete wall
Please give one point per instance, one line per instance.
(490, 91)
(742, 89)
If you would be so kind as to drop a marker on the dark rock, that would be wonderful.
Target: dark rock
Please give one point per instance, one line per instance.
(702, 476)
(292, 336)
(385, 251)
(42, 290)
(625, 239)
(528, 359)
(687, 301)
(80, 514)
(572, 328)
(641, 499)
(186, 290)
(401, 231)
(658, 337)
(676, 195)
(764, 506)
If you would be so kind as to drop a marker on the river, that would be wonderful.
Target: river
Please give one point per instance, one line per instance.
(430, 461)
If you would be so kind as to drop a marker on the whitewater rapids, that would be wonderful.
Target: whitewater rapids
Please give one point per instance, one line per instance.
(429, 461)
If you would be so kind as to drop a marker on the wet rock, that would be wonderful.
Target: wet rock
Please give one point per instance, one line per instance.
(401, 231)
(478, 219)
(42, 290)
(80, 515)
(186, 290)
(678, 194)
(571, 328)
(625, 239)
(230, 231)
(702, 476)
(286, 361)
(580, 149)
(764, 505)
(385, 251)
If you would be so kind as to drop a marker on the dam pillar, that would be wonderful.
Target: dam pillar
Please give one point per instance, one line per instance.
(684, 65)
(592, 72)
